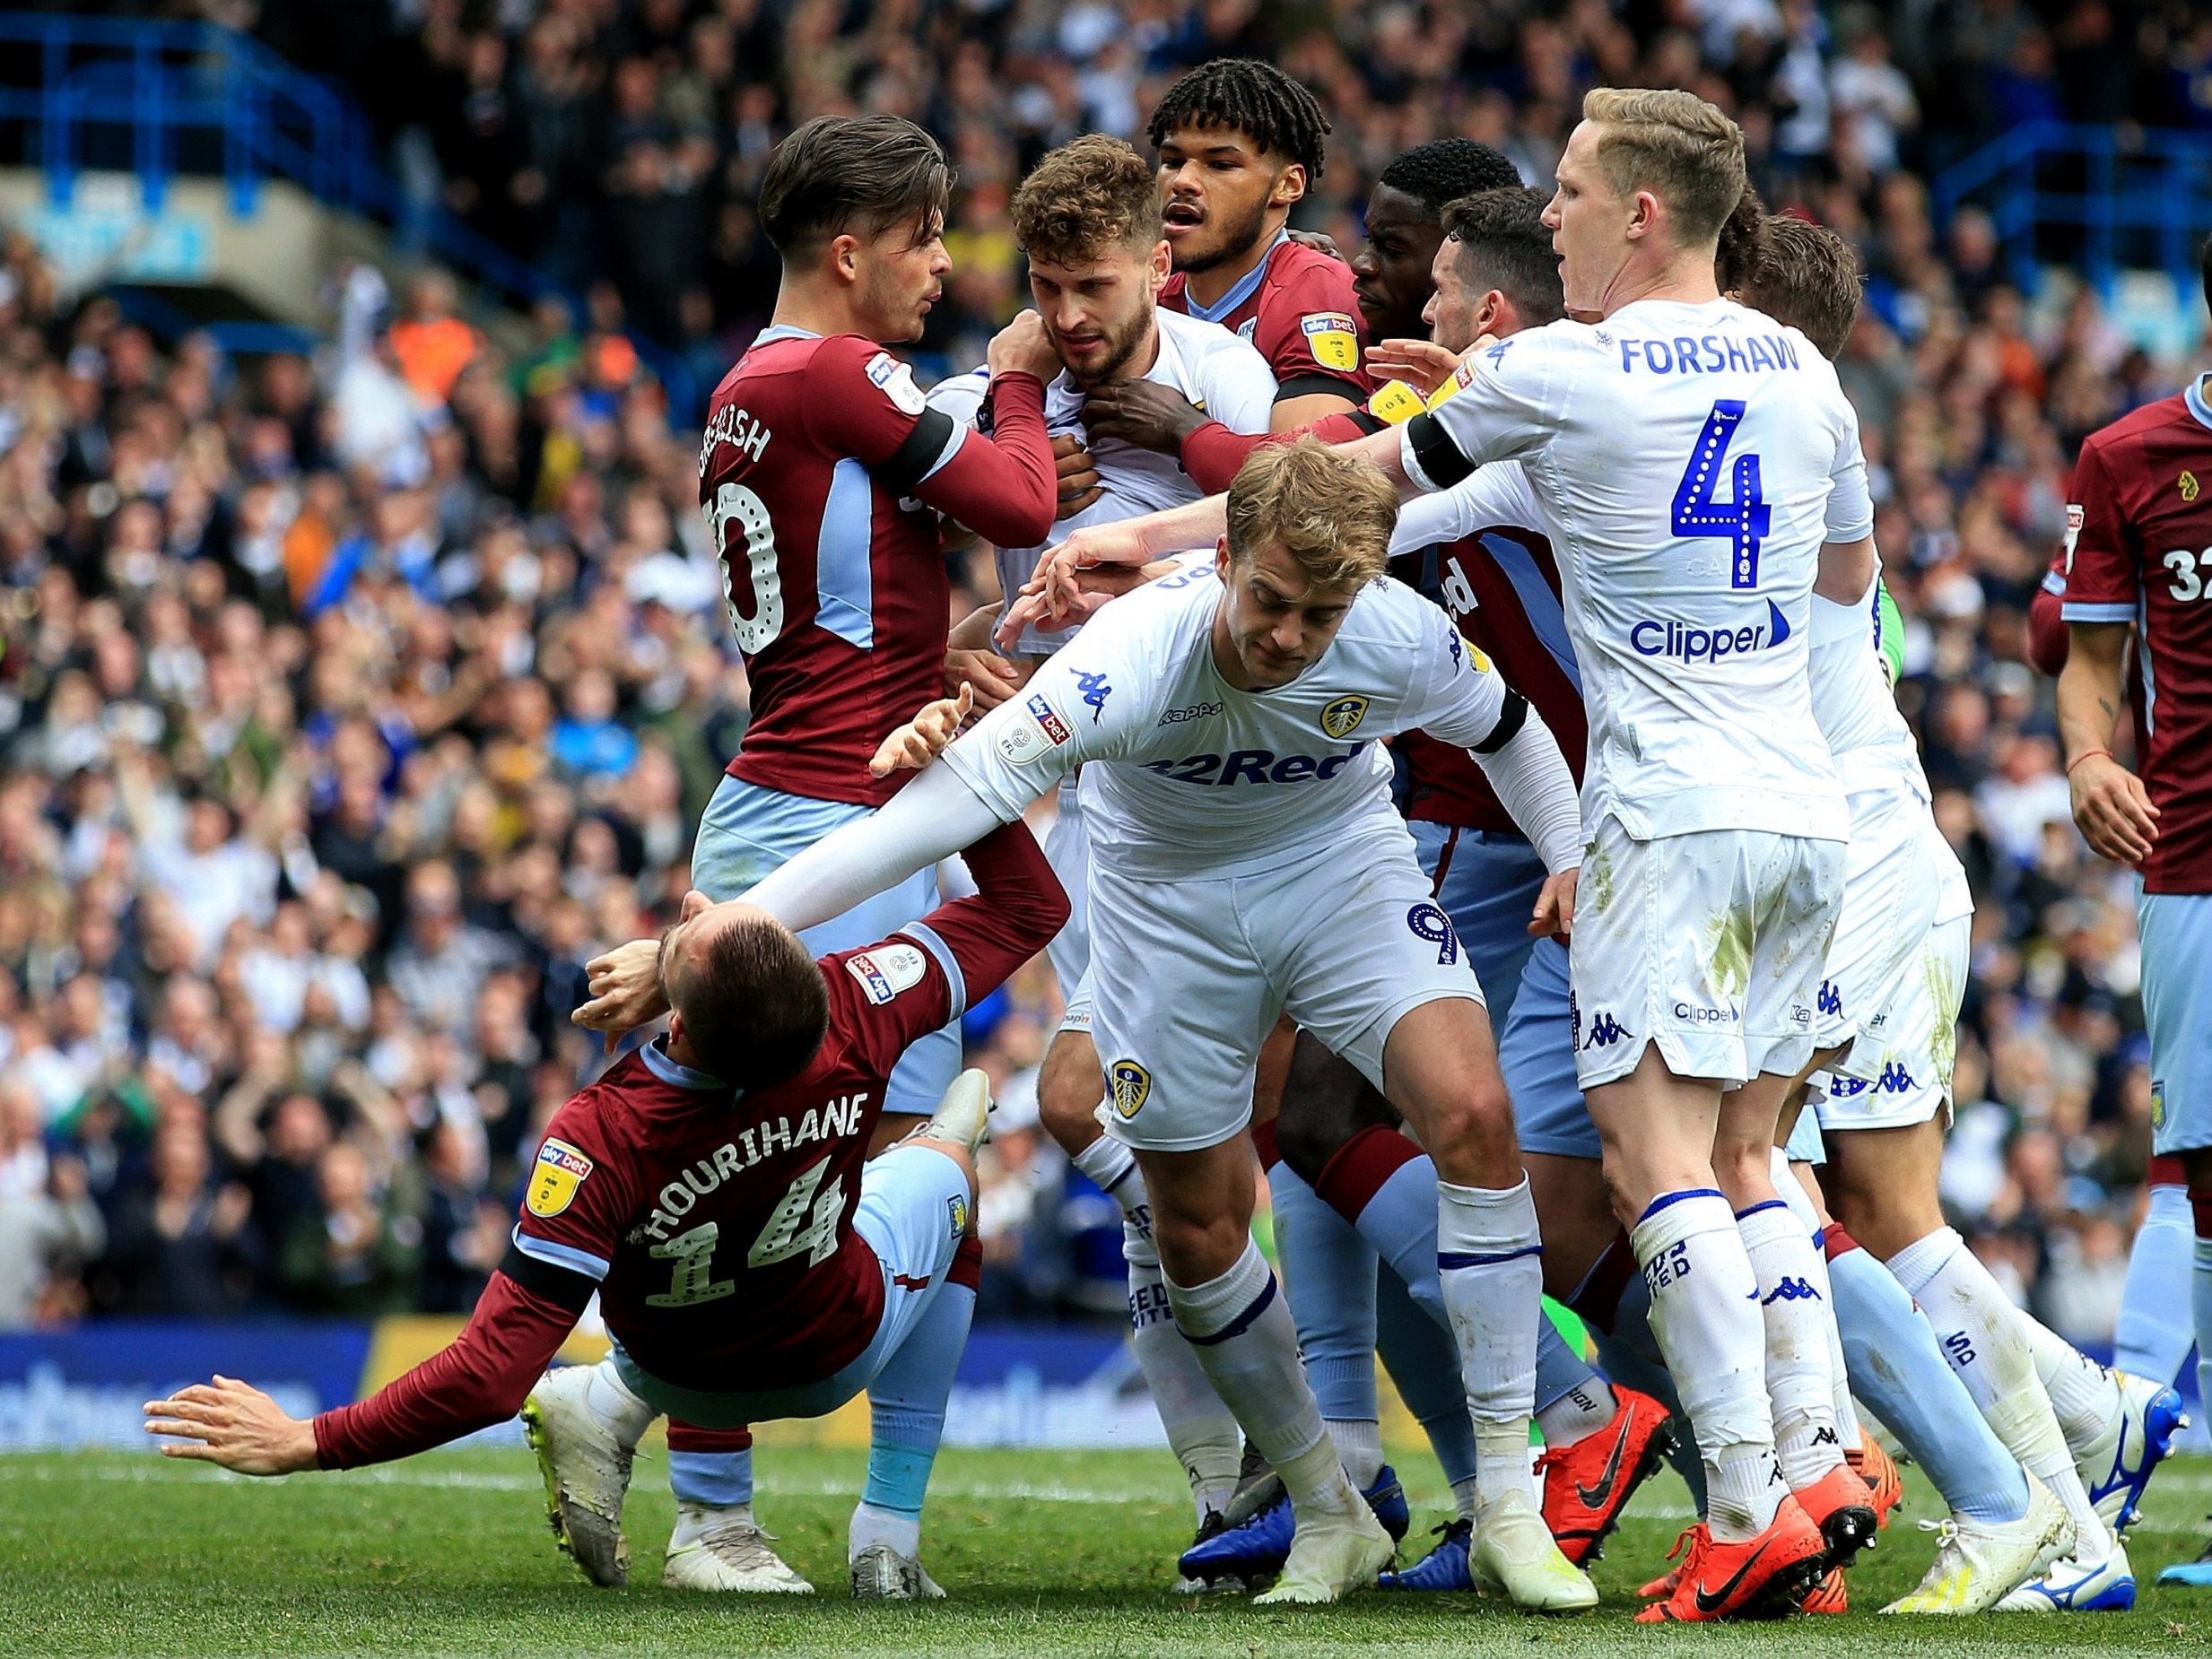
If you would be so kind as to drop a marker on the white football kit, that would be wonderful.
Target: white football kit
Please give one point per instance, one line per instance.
(1687, 462)
(1229, 381)
(1248, 859)
(1897, 968)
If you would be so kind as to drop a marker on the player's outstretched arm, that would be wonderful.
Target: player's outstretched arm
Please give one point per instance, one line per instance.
(2111, 806)
(924, 738)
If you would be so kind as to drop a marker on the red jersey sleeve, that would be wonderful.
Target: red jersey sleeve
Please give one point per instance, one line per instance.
(2047, 642)
(931, 970)
(1212, 454)
(863, 402)
(2104, 565)
(1308, 331)
(481, 1379)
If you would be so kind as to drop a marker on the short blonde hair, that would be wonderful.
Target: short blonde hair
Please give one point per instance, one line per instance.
(1678, 147)
(1331, 512)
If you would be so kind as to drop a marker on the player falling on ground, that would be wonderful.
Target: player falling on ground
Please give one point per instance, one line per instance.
(1714, 817)
(1499, 276)
(822, 477)
(2141, 563)
(714, 1191)
(1246, 861)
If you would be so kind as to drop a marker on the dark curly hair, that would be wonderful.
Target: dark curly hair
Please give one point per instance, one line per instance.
(1447, 169)
(1244, 95)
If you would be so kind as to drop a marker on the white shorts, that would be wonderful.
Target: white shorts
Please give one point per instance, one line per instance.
(1910, 1076)
(1709, 944)
(1067, 849)
(1890, 891)
(1189, 975)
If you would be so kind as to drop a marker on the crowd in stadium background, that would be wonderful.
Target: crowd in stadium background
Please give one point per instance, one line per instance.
(348, 707)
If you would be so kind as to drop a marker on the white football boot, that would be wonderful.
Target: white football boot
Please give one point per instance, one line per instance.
(881, 1574)
(587, 1471)
(2077, 1586)
(726, 1551)
(1514, 1555)
(1979, 1563)
(963, 1116)
(1331, 1555)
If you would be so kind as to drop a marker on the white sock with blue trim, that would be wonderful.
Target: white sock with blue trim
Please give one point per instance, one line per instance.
(1492, 1269)
(1800, 1341)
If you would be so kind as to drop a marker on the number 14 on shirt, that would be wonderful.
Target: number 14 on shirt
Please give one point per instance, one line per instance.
(1745, 521)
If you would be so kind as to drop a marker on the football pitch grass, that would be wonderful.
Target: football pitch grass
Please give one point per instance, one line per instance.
(1044, 1553)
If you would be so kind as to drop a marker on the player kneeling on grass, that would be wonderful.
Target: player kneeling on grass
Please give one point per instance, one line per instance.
(713, 1189)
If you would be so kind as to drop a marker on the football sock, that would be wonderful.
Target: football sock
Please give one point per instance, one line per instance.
(1359, 1447)
(2084, 1395)
(1795, 1313)
(1421, 1361)
(1386, 1187)
(1706, 1315)
(1328, 1273)
(2154, 1332)
(1985, 1338)
(1892, 1359)
(696, 1520)
(709, 1467)
(1572, 1401)
(872, 1526)
(1492, 1269)
(1244, 1337)
(1111, 1168)
(609, 1399)
(1201, 1431)
(2200, 1304)
(906, 1398)
(1800, 1202)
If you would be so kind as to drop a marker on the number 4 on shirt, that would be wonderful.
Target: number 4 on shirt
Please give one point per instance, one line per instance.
(1746, 520)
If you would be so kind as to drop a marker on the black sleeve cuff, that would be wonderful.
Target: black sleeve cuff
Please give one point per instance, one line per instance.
(1438, 457)
(1316, 385)
(914, 460)
(563, 1287)
(1512, 717)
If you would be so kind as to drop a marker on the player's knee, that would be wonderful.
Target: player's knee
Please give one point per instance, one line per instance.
(1068, 1091)
(1467, 1129)
(1194, 1249)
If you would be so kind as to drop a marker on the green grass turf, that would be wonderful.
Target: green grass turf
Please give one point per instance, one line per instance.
(1043, 1552)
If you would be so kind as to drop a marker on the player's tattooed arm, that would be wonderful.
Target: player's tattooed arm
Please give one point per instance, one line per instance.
(2112, 808)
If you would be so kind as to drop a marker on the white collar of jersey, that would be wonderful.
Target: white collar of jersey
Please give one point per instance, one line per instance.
(2198, 405)
(675, 1072)
(783, 331)
(1245, 287)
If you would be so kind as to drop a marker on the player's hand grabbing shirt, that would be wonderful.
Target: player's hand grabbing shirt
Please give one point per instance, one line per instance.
(1689, 462)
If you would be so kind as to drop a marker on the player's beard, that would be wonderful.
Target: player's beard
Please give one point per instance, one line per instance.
(1122, 346)
(1238, 238)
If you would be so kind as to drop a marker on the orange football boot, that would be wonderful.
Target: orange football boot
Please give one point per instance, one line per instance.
(1588, 1484)
(1873, 1465)
(1691, 1538)
(1827, 1597)
(1758, 1577)
(1841, 1507)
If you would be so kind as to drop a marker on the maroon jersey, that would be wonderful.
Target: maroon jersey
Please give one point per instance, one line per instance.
(1502, 586)
(2143, 554)
(821, 475)
(716, 1227)
(1298, 309)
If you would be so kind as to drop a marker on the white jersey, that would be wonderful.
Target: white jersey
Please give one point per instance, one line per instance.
(1208, 779)
(1688, 463)
(1221, 376)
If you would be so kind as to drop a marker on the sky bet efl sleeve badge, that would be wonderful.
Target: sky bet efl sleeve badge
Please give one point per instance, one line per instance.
(560, 1169)
(1334, 339)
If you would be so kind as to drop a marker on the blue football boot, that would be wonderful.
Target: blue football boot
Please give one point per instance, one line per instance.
(1258, 1546)
(1443, 1569)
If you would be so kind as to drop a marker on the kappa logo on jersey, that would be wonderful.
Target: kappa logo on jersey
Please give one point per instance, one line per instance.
(1895, 1080)
(1095, 691)
(1605, 1031)
(1334, 339)
(1196, 711)
(560, 1170)
(1024, 740)
(1342, 717)
(895, 381)
(1792, 1290)
(1690, 642)
(1132, 1087)
(1430, 924)
(1829, 1001)
(887, 970)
